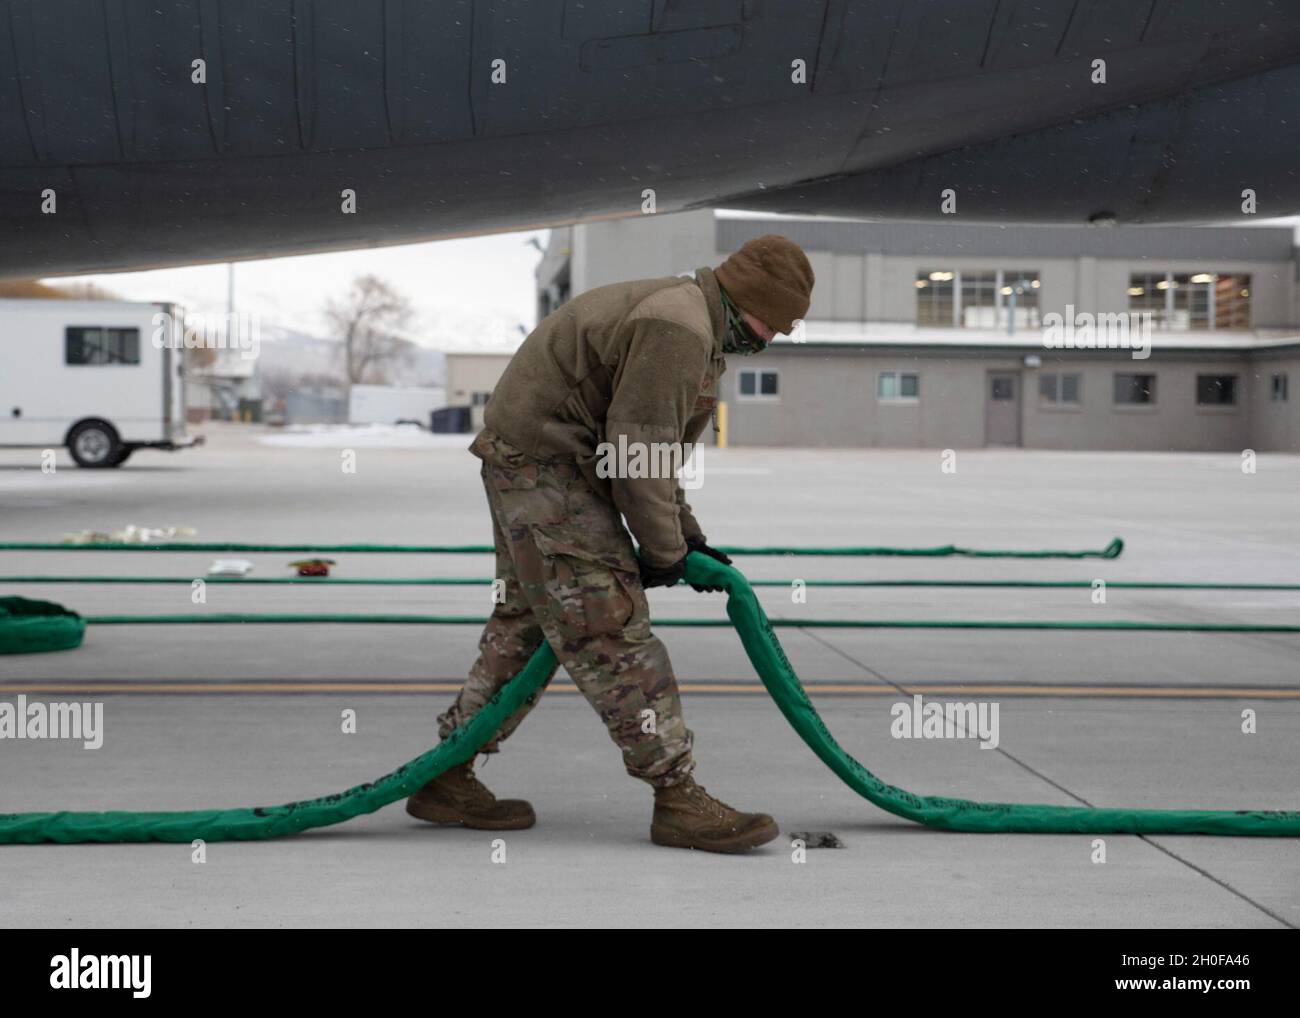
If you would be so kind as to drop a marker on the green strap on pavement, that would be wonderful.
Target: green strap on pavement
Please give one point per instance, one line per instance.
(28, 626)
(276, 821)
(399, 619)
(781, 682)
(1111, 550)
(485, 581)
(778, 677)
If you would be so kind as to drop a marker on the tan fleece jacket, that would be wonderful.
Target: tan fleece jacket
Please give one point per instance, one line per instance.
(637, 362)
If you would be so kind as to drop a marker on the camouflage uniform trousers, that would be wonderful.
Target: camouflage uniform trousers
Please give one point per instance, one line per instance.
(570, 577)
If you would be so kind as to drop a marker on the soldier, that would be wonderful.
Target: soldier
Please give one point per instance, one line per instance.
(624, 364)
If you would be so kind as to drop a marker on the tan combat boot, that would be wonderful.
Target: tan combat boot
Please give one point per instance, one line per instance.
(686, 816)
(456, 796)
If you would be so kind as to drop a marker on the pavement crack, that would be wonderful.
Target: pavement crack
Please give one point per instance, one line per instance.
(1146, 838)
(852, 660)
(1216, 880)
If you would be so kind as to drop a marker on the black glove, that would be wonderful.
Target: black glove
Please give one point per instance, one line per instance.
(661, 576)
(698, 544)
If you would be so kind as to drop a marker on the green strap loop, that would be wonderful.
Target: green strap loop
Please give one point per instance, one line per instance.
(28, 626)
(778, 677)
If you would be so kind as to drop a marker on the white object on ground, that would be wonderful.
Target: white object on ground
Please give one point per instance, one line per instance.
(230, 567)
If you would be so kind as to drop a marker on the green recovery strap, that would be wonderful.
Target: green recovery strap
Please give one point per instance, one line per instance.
(487, 581)
(28, 626)
(394, 618)
(778, 676)
(1111, 550)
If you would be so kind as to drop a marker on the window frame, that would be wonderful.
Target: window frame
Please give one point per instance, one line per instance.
(959, 280)
(1060, 403)
(108, 331)
(1279, 393)
(897, 374)
(1232, 404)
(1150, 404)
(758, 396)
(1203, 293)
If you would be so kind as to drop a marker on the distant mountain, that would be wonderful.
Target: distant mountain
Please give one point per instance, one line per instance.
(299, 353)
(481, 333)
(292, 352)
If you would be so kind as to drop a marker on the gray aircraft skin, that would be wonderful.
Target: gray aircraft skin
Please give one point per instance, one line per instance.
(447, 117)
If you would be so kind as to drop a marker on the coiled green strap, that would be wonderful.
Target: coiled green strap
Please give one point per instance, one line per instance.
(778, 677)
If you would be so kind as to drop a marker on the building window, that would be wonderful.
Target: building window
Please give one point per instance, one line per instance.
(1278, 388)
(479, 398)
(1216, 390)
(898, 386)
(1135, 389)
(1190, 301)
(982, 299)
(1146, 295)
(1018, 297)
(1232, 302)
(1059, 388)
(979, 300)
(95, 345)
(754, 384)
(934, 298)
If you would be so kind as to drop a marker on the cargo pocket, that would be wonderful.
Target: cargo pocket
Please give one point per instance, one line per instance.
(529, 490)
(592, 584)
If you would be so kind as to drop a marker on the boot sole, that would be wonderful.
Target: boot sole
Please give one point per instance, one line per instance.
(670, 838)
(447, 815)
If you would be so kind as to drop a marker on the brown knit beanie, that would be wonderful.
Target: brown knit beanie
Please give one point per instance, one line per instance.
(771, 279)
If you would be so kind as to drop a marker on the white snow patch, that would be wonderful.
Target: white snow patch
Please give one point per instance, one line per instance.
(368, 436)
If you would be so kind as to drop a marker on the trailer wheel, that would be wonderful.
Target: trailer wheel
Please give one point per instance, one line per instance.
(95, 444)
(123, 454)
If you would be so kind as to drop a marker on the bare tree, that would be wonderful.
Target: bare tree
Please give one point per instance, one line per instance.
(368, 319)
(277, 383)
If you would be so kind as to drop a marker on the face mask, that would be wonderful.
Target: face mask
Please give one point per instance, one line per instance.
(740, 338)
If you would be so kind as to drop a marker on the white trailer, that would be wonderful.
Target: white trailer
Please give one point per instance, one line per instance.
(394, 404)
(102, 378)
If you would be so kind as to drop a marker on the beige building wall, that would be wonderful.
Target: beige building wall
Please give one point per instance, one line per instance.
(828, 398)
(828, 394)
(1174, 422)
(646, 247)
(470, 373)
(1274, 423)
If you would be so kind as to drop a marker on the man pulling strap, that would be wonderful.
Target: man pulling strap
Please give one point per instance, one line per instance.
(627, 364)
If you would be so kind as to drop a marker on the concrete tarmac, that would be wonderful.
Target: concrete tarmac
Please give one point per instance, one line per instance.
(202, 716)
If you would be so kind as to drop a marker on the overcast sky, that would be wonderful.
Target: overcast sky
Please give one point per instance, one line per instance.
(467, 292)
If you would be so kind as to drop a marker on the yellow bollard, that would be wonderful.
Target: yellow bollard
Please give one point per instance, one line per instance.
(722, 425)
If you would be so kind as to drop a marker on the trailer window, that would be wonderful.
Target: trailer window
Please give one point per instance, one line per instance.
(91, 344)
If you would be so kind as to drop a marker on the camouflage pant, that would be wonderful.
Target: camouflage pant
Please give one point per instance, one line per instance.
(571, 578)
